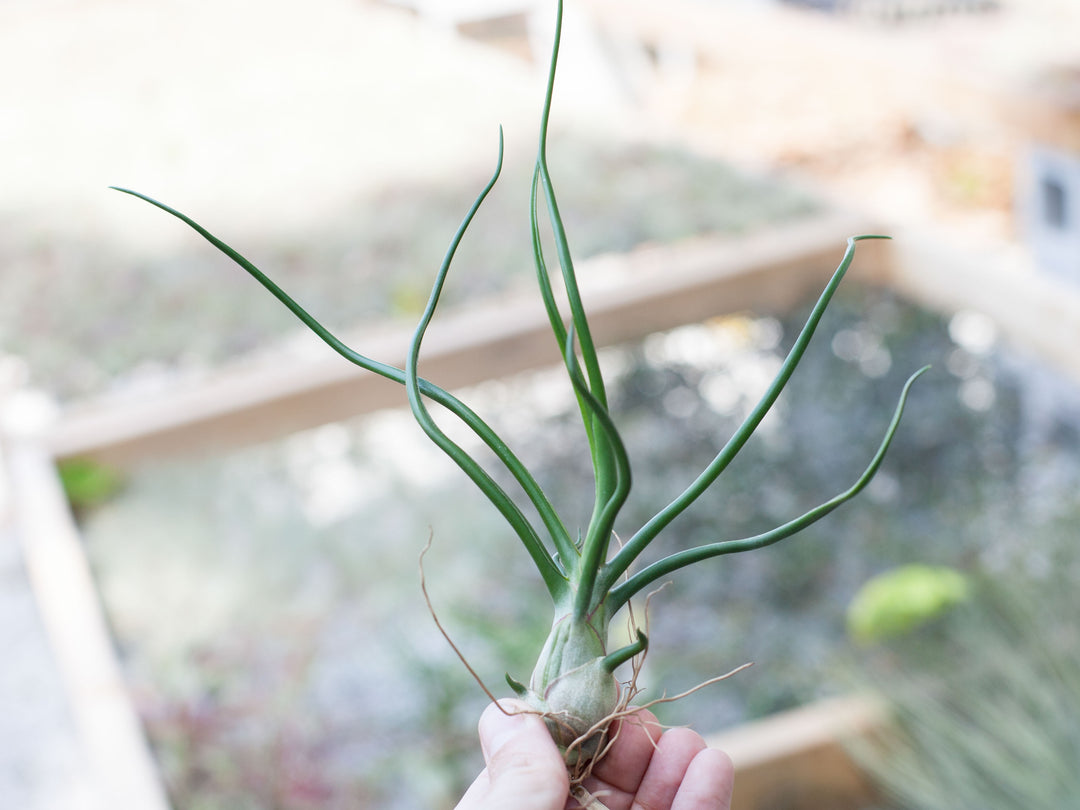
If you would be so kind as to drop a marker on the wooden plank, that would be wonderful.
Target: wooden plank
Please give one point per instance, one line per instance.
(627, 296)
(42, 759)
(121, 768)
(797, 759)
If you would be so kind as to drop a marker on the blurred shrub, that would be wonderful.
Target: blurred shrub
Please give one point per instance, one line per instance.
(984, 702)
(898, 601)
(87, 483)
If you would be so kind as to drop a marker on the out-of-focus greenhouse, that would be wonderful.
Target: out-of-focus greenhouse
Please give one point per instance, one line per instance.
(210, 589)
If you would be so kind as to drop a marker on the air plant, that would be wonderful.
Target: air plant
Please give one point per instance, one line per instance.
(574, 684)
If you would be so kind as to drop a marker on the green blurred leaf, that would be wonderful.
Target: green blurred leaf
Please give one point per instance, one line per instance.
(88, 483)
(898, 601)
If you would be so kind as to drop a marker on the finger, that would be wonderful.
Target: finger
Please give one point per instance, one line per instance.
(667, 768)
(708, 783)
(524, 767)
(623, 767)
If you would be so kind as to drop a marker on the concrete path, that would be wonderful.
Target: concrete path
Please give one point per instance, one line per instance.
(42, 763)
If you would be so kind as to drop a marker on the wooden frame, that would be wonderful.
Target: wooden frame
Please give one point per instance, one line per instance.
(797, 759)
(121, 769)
(628, 296)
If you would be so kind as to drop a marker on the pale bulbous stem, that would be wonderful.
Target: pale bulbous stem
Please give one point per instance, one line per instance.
(572, 685)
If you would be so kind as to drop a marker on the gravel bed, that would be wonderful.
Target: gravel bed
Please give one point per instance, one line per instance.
(305, 649)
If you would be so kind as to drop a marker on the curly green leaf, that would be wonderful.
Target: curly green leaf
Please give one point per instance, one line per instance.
(620, 594)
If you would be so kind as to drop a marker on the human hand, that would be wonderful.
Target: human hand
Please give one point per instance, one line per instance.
(672, 770)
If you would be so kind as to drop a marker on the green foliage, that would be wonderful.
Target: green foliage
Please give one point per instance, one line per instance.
(88, 483)
(898, 601)
(983, 703)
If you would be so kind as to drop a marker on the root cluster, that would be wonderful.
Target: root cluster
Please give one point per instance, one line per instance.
(589, 748)
(581, 768)
(600, 739)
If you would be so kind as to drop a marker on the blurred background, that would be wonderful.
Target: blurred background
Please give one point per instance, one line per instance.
(262, 598)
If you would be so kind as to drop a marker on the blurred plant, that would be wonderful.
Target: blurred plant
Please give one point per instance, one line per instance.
(898, 601)
(88, 483)
(983, 702)
(248, 743)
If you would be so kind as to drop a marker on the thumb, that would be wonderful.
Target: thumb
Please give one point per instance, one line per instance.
(524, 767)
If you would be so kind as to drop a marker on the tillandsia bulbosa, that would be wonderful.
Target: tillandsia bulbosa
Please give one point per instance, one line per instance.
(574, 684)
